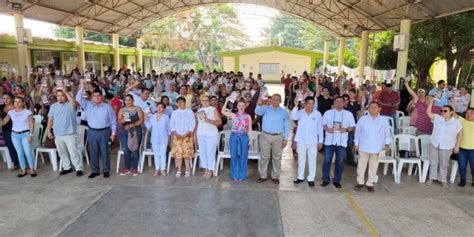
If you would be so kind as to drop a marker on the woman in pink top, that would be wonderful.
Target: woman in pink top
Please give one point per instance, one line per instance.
(239, 140)
(423, 123)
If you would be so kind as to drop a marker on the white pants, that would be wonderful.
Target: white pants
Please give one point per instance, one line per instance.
(159, 155)
(310, 152)
(68, 151)
(208, 151)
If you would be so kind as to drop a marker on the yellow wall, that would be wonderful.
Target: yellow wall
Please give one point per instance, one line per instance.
(288, 63)
(229, 63)
(10, 56)
(438, 71)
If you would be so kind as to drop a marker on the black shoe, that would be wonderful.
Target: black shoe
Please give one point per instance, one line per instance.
(33, 175)
(106, 175)
(311, 184)
(79, 173)
(358, 187)
(371, 189)
(337, 185)
(64, 172)
(22, 175)
(93, 175)
(462, 183)
(297, 181)
(325, 183)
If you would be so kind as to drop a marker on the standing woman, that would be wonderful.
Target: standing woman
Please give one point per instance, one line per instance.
(446, 131)
(239, 140)
(208, 135)
(131, 118)
(22, 135)
(160, 131)
(182, 124)
(7, 128)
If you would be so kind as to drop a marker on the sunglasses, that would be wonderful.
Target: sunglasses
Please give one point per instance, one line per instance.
(445, 111)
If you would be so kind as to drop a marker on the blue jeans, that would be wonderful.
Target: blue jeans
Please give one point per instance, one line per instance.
(464, 157)
(339, 164)
(239, 149)
(350, 146)
(130, 156)
(23, 149)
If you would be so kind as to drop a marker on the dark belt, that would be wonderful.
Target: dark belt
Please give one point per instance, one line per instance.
(99, 129)
(273, 134)
(20, 132)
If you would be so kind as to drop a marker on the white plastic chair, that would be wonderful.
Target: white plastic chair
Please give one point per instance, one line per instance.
(399, 114)
(454, 170)
(6, 157)
(410, 130)
(387, 160)
(404, 142)
(424, 146)
(196, 155)
(253, 154)
(82, 141)
(391, 123)
(146, 152)
(403, 122)
(39, 149)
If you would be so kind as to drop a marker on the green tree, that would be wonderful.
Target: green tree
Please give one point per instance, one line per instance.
(70, 33)
(425, 49)
(457, 37)
(200, 32)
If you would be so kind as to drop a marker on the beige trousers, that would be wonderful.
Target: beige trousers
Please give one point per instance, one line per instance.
(270, 147)
(373, 161)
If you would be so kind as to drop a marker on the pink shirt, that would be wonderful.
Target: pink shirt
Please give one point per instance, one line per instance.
(423, 122)
(240, 123)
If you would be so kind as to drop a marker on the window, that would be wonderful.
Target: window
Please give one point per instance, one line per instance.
(269, 68)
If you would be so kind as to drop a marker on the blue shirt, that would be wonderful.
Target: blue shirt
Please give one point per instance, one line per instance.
(441, 96)
(64, 118)
(160, 129)
(274, 120)
(98, 116)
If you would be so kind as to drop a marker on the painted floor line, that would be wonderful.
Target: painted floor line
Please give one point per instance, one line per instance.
(361, 214)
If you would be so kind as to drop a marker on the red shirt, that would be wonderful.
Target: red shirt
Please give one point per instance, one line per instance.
(287, 82)
(423, 122)
(116, 104)
(389, 98)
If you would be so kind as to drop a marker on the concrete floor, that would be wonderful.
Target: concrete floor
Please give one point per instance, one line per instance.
(50, 205)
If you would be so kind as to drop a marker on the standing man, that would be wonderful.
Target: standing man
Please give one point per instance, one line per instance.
(102, 125)
(337, 124)
(274, 137)
(389, 100)
(286, 81)
(372, 135)
(309, 138)
(142, 100)
(440, 94)
(324, 100)
(62, 118)
(465, 147)
(351, 105)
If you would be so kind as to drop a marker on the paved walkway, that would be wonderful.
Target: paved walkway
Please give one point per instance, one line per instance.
(49, 205)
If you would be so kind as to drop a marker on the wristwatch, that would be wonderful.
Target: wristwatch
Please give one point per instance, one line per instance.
(31, 134)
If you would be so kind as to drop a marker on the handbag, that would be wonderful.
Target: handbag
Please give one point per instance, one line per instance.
(132, 140)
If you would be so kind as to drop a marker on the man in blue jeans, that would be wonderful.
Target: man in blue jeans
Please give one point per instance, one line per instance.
(465, 147)
(337, 124)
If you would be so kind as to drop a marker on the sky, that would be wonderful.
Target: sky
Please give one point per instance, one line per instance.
(253, 18)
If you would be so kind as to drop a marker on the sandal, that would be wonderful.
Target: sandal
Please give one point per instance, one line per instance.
(178, 174)
(187, 174)
(156, 173)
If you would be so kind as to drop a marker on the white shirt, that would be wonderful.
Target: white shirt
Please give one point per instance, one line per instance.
(343, 118)
(204, 128)
(310, 127)
(148, 105)
(371, 135)
(182, 121)
(445, 133)
(20, 120)
(462, 102)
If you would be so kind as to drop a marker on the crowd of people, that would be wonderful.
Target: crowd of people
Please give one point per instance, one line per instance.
(184, 112)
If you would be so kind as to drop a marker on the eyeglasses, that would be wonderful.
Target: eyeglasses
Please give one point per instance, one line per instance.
(445, 111)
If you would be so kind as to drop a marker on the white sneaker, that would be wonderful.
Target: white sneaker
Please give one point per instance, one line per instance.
(429, 182)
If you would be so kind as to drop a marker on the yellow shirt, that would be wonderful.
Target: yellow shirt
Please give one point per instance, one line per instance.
(467, 141)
